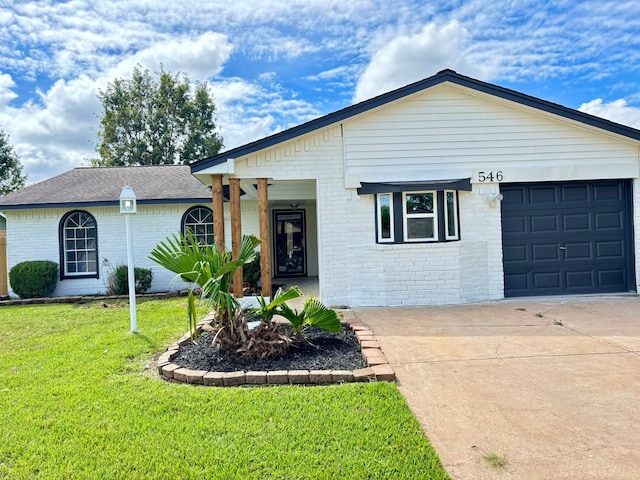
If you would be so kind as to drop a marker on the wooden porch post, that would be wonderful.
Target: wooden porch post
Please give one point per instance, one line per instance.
(236, 233)
(218, 210)
(265, 246)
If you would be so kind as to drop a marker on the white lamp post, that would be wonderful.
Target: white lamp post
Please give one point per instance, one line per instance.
(128, 208)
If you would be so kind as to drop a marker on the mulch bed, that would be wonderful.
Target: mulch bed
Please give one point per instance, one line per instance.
(322, 351)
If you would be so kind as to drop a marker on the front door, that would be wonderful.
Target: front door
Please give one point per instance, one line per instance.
(289, 243)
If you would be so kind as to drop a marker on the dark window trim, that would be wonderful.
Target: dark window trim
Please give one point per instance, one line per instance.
(61, 249)
(463, 184)
(188, 211)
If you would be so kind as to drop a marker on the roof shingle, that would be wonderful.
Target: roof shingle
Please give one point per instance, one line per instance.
(85, 186)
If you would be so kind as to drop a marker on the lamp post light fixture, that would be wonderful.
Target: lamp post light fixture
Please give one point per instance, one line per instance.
(127, 208)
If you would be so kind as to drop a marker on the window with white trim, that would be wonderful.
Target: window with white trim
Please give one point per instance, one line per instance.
(451, 215)
(414, 217)
(78, 233)
(199, 221)
(420, 223)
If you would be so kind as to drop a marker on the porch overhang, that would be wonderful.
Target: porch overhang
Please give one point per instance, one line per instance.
(226, 167)
(369, 188)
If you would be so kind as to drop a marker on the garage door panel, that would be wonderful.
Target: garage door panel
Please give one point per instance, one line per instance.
(612, 278)
(546, 280)
(577, 222)
(576, 193)
(567, 237)
(545, 252)
(544, 223)
(608, 220)
(579, 280)
(613, 249)
(608, 192)
(578, 251)
(514, 225)
(542, 195)
(515, 253)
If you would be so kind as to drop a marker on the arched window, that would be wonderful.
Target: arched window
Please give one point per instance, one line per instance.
(199, 220)
(78, 245)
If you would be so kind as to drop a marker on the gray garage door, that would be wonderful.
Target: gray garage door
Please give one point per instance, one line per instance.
(567, 238)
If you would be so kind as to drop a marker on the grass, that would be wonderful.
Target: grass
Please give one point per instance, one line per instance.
(77, 400)
(495, 460)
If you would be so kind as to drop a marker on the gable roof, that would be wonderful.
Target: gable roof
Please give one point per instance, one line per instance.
(440, 77)
(85, 186)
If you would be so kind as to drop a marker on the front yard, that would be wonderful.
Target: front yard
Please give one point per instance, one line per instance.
(79, 398)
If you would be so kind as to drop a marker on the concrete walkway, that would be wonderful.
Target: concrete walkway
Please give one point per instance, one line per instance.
(550, 385)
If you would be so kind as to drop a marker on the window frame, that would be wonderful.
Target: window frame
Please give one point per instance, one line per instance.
(379, 206)
(65, 252)
(399, 217)
(188, 213)
(406, 216)
(456, 216)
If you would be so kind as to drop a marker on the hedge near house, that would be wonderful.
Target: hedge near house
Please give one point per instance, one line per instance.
(118, 281)
(34, 279)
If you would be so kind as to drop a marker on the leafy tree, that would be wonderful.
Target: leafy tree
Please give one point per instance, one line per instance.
(153, 121)
(11, 176)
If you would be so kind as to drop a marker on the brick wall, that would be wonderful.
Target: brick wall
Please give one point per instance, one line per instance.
(353, 269)
(33, 235)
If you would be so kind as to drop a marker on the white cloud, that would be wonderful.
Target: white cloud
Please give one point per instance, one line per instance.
(409, 58)
(6, 92)
(617, 111)
(201, 57)
(54, 133)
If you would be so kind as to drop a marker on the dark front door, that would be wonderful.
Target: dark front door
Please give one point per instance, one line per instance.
(289, 243)
(567, 238)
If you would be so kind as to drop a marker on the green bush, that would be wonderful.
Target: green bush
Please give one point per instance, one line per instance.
(34, 279)
(118, 281)
(251, 273)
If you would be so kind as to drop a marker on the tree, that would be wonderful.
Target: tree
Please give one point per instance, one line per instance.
(153, 121)
(11, 176)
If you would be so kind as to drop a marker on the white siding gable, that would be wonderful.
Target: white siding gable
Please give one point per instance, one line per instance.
(449, 131)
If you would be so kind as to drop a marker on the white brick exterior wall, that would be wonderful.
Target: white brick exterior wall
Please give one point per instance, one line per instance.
(353, 269)
(33, 235)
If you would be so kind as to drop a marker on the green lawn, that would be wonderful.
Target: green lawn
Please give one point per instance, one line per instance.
(79, 401)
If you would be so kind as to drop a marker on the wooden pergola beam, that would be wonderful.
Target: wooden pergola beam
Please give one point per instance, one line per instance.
(265, 246)
(218, 210)
(236, 233)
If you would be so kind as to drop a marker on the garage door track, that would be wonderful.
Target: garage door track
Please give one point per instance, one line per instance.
(522, 389)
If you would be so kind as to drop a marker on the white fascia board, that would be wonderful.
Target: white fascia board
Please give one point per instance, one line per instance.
(226, 168)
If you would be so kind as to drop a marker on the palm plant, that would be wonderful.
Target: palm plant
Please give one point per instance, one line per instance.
(211, 269)
(266, 311)
(313, 314)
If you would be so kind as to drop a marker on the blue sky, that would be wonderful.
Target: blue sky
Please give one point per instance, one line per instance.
(274, 64)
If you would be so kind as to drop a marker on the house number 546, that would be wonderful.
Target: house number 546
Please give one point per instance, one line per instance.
(490, 176)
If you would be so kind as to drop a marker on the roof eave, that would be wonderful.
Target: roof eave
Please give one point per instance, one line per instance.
(109, 203)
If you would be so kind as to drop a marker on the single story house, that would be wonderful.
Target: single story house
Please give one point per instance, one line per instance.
(445, 191)
(74, 220)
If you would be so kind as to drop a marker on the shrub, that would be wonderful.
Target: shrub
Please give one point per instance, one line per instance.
(118, 281)
(34, 279)
(251, 273)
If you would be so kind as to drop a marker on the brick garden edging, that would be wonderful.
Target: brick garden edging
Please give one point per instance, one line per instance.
(87, 298)
(378, 367)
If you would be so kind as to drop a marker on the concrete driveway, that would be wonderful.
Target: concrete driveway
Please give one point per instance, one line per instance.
(550, 385)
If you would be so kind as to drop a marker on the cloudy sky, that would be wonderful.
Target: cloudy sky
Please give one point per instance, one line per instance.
(274, 64)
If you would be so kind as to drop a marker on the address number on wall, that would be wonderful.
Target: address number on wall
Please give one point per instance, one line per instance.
(490, 176)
